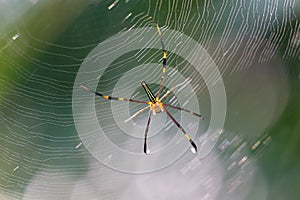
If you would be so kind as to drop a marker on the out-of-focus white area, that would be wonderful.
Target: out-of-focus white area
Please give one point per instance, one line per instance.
(189, 178)
(11, 11)
(49, 185)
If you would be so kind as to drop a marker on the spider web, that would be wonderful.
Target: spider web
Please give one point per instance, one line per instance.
(255, 46)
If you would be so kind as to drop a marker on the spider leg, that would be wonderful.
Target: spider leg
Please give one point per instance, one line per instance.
(167, 93)
(113, 98)
(164, 61)
(181, 128)
(136, 114)
(146, 133)
(190, 112)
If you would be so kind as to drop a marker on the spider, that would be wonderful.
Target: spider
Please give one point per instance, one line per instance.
(155, 103)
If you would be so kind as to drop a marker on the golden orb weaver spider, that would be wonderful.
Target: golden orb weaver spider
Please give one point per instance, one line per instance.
(155, 104)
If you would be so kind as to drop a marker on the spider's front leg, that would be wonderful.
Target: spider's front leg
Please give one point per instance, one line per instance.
(194, 147)
(147, 151)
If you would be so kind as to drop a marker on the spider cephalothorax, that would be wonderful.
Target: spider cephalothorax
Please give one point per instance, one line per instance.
(156, 107)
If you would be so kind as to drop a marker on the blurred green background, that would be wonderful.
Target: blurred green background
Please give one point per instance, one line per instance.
(255, 45)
